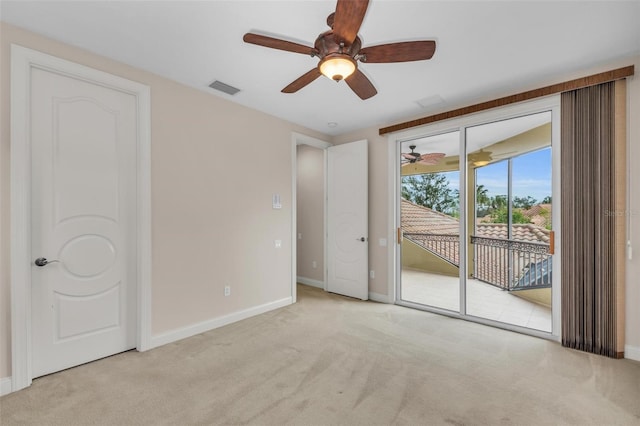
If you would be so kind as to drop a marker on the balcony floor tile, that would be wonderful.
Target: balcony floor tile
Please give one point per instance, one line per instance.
(483, 300)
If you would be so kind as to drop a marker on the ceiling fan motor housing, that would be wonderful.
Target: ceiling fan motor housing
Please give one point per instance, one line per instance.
(326, 44)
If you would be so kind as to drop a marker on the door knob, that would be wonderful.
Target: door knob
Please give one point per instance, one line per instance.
(42, 261)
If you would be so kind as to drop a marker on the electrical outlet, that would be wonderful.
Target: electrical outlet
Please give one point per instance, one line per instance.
(300, 235)
(278, 243)
(314, 264)
(372, 274)
(227, 290)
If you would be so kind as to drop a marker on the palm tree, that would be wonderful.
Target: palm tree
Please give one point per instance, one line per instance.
(482, 196)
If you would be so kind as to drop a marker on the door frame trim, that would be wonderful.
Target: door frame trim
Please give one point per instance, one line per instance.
(300, 139)
(23, 60)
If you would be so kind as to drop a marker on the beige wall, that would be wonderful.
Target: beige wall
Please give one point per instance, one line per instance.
(213, 223)
(416, 257)
(310, 212)
(541, 296)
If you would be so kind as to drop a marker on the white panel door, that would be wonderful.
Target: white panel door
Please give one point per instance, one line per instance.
(83, 203)
(347, 220)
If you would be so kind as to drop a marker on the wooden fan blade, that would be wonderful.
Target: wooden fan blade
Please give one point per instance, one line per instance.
(399, 52)
(276, 43)
(431, 159)
(361, 85)
(348, 18)
(302, 81)
(409, 156)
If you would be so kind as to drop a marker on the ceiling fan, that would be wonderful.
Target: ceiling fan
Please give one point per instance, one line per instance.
(340, 50)
(482, 158)
(413, 157)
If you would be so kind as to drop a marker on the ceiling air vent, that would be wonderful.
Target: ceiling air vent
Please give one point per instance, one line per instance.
(229, 90)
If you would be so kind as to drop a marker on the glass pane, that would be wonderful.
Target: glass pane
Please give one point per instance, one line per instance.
(430, 212)
(509, 168)
(490, 227)
(530, 229)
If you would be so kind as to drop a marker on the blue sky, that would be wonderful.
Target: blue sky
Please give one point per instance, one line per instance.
(531, 176)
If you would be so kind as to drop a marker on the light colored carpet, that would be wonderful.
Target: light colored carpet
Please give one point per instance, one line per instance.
(330, 360)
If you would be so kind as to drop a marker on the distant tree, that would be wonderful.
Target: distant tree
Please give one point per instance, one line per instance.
(498, 202)
(501, 215)
(482, 196)
(408, 183)
(524, 202)
(546, 200)
(431, 190)
(455, 203)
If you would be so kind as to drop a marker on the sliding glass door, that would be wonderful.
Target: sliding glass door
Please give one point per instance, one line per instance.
(510, 265)
(430, 221)
(478, 227)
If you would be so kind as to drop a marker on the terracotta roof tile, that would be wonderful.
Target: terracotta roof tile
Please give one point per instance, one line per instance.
(519, 232)
(420, 219)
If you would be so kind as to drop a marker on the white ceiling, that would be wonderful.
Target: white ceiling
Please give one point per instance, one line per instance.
(484, 49)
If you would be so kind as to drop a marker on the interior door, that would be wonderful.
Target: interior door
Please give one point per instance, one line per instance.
(83, 221)
(347, 220)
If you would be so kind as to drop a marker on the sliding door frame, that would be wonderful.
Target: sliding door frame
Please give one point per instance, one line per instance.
(394, 141)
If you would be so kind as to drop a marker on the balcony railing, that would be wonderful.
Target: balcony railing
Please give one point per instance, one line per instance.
(445, 246)
(508, 264)
(512, 265)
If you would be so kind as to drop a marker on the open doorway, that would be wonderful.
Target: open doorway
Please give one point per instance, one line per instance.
(310, 215)
(329, 236)
(309, 224)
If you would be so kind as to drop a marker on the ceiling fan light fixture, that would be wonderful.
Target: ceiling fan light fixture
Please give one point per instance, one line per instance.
(480, 163)
(338, 66)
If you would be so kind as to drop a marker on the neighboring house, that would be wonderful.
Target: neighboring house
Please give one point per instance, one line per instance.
(494, 253)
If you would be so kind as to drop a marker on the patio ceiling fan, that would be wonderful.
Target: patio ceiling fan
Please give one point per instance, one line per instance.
(340, 49)
(414, 157)
(482, 157)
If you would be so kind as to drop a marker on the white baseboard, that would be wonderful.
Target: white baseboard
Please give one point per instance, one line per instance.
(632, 352)
(5, 386)
(192, 330)
(377, 297)
(309, 281)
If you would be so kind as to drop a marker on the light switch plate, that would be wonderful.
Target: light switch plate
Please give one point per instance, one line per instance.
(276, 202)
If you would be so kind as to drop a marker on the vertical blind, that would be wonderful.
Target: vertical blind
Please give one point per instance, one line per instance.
(593, 200)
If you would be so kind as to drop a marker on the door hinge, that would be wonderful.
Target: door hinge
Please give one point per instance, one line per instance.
(399, 235)
(552, 242)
